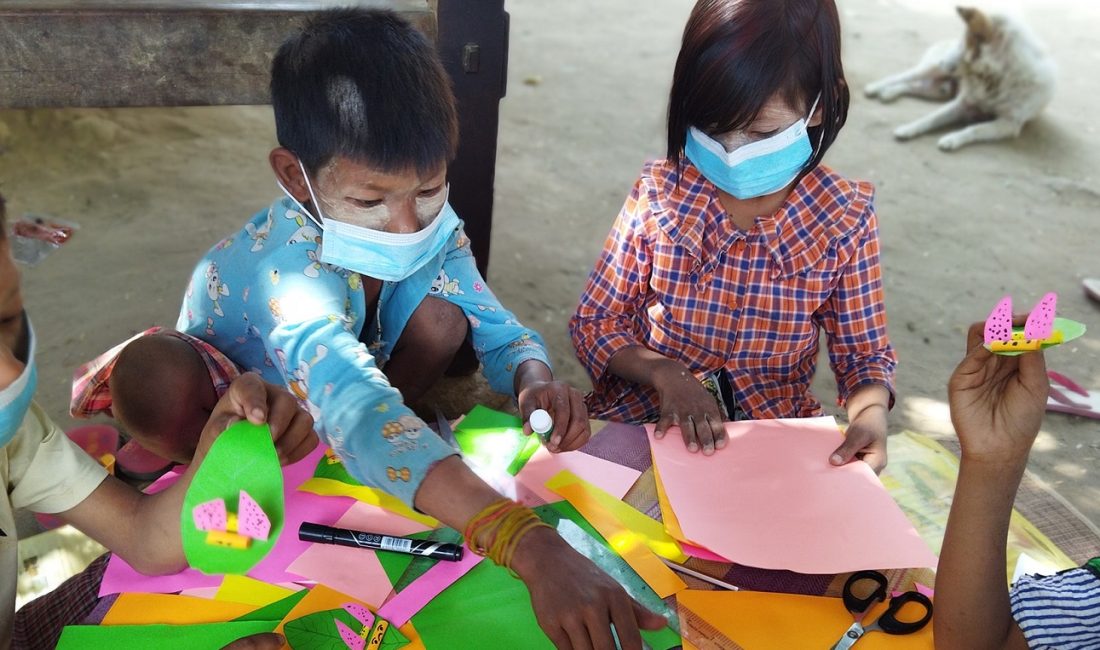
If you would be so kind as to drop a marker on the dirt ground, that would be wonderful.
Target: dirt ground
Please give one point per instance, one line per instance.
(153, 188)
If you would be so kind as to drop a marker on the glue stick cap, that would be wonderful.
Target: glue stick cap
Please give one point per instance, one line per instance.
(541, 423)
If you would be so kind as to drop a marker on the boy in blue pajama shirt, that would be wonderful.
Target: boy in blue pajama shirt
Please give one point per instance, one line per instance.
(265, 299)
(355, 291)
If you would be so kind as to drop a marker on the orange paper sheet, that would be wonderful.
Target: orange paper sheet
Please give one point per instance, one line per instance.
(355, 571)
(671, 523)
(651, 531)
(771, 500)
(629, 545)
(758, 620)
(169, 609)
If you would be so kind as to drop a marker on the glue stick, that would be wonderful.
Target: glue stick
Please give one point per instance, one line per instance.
(541, 424)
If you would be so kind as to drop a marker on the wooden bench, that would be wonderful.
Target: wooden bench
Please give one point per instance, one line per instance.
(135, 53)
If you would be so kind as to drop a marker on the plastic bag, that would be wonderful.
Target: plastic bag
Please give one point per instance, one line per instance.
(33, 237)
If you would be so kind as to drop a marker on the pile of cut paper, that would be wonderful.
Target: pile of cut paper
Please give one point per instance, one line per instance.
(323, 596)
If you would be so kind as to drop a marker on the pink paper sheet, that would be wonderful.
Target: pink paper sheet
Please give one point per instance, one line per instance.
(703, 554)
(543, 466)
(771, 500)
(120, 576)
(404, 604)
(355, 571)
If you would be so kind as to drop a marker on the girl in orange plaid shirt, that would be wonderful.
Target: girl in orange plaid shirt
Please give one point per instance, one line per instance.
(731, 255)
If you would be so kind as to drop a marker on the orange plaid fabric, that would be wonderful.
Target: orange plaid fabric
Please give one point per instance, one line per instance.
(91, 391)
(677, 277)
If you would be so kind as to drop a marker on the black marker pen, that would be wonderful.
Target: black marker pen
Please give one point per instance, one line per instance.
(309, 532)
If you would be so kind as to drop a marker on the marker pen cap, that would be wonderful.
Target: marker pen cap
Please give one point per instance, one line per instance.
(541, 423)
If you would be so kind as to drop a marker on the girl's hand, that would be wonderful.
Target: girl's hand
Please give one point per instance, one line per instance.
(865, 439)
(687, 404)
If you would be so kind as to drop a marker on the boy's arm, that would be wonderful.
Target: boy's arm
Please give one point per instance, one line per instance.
(997, 405)
(514, 357)
(144, 529)
(573, 599)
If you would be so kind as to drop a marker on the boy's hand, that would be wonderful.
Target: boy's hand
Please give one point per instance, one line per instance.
(262, 641)
(574, 601)
(251, 398)
(997, 402)
(565, 405)
(536, 388)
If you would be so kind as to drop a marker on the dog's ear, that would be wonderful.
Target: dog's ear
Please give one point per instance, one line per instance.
(979, 29)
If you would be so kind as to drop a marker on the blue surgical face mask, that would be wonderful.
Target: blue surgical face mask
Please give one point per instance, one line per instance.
(387, 256)
(756, 168)
(15, 399)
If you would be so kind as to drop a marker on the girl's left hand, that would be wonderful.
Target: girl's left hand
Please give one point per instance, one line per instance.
(565, 405)
(864, 439)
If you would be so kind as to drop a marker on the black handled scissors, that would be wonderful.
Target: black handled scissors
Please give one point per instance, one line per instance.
(888, 621)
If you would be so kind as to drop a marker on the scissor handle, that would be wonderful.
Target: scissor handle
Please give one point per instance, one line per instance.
(889, 622)
(858, 605)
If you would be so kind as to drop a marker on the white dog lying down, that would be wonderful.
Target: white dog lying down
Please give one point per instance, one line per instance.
(998, 77)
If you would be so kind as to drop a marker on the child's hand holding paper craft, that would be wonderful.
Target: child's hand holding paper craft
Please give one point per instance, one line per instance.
(1041, 330)
(233, 510)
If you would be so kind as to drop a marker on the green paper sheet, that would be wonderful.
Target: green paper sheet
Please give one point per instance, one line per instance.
(489, 609)
(495, 440)
(242, 458)
(207, 635)
(277, 610)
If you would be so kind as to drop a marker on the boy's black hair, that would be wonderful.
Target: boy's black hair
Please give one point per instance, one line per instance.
(366, 85)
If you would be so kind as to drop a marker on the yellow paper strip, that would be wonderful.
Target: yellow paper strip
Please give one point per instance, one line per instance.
(330, 488)
(242, 589)
(170, 609)
(630, 546)
(650, 530)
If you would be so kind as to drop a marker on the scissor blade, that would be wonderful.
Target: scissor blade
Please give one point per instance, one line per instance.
(852, 635)
(445, 430)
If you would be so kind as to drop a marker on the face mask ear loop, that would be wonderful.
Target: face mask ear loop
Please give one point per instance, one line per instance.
(810, 117)
(820, 139)
(312, 197)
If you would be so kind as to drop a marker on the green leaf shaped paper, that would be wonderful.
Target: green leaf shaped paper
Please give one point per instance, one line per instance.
(242, 458)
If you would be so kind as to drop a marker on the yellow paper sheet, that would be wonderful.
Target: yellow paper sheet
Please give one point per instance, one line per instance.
(672, 524)
(321, 598)
(649, 529)
(630, 546)
(758, 620)
(921, 477)
(330, 488)
(170, 609)
(242, 589)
